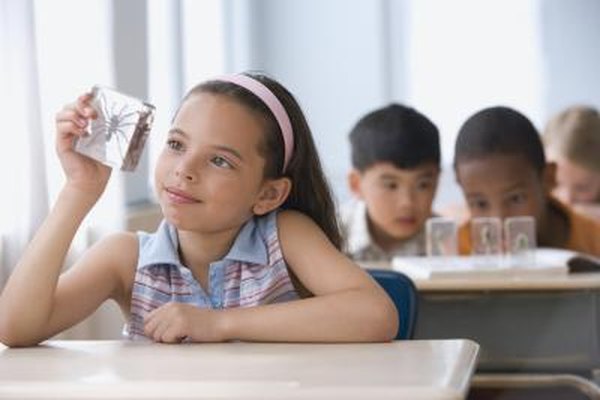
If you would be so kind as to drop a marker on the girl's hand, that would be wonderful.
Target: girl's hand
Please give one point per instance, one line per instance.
(175, 322)
(82, 173)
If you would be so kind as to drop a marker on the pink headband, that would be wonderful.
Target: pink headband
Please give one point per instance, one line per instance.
(273, 103)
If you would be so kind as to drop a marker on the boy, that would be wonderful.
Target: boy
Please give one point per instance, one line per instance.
(396, 163)
(572, 141)
(501, 168)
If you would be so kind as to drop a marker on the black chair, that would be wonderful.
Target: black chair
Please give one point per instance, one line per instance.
(403, 293)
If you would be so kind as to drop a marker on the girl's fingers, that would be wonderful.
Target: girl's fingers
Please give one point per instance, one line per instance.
(86, 97)
(159, 333)
(150, 322)
(171, 335)
(86, 110)
(149, 329)
(68, 123)
(67, 128)
(72, 116)
(81, 108)
(84, 107)
(156, 313)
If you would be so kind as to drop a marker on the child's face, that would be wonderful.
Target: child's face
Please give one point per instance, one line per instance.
(576, 184)
(398, 200)
(502, 186)
(209, 174)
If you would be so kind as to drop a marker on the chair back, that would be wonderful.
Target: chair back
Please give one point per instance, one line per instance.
(403, 293)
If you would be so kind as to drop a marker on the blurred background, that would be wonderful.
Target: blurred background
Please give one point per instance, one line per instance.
(341, 59)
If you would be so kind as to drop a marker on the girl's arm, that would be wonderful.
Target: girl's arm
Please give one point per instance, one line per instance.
(348, 305)
(38, 302)
(35, 304)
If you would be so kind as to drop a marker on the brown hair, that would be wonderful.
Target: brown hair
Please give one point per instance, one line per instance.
(310, 192)
(574, 133)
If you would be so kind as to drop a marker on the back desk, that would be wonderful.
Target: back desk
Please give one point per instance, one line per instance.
(548, 324)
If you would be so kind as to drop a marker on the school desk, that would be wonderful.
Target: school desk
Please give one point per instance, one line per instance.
(428, 369)
(548, 324)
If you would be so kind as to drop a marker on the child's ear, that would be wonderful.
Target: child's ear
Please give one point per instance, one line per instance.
(354, 178)
(549, 177)
(273, 194)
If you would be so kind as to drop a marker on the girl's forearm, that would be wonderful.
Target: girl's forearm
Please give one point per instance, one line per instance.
(27, 300)
(354, 316)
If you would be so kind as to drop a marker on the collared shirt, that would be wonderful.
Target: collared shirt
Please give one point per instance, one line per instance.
(360, 245)
(252, 273)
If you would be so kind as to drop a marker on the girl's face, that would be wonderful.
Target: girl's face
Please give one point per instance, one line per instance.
(576, 184)
(209, 175)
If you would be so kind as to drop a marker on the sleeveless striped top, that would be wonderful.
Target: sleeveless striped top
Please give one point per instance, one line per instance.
(252, 273)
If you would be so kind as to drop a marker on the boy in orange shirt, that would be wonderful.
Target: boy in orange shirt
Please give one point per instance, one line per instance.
(500, 165)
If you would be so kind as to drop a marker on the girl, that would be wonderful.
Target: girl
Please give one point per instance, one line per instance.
(248, 225)
(572, 142)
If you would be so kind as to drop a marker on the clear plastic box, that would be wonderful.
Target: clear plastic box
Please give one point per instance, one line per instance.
(486, 236)
(117, 136)
(441, 235)
(520, 237)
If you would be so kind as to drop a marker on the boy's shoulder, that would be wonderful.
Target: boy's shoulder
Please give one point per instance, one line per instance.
(584, 231)
(353, 218)
(359, 243)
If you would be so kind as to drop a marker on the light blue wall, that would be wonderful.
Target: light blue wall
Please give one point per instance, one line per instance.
(131, 77)
(571, 46)
(343, 58)
(332, 56)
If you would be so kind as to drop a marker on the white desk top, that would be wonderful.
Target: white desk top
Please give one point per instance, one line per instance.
(437, 369)
(567, 282)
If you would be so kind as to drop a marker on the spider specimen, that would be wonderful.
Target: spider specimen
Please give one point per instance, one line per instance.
(119, 132)
(115, 120)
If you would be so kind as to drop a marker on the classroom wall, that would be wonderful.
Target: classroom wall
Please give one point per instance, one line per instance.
(331, 55)
(570, 33)
(131, 76)
(343, 64)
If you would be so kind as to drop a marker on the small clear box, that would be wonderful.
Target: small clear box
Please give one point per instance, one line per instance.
(118, 135)
(520, 234)
(486, 236)
(441, 236)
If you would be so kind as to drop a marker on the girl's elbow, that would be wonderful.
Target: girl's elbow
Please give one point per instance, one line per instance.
(11, 337)
(384, 320)
(388, 322)
(8, 341)
(7, 337)
(16, 341)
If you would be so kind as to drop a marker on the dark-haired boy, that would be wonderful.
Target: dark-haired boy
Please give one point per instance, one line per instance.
(396, 164)
(501, 167)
